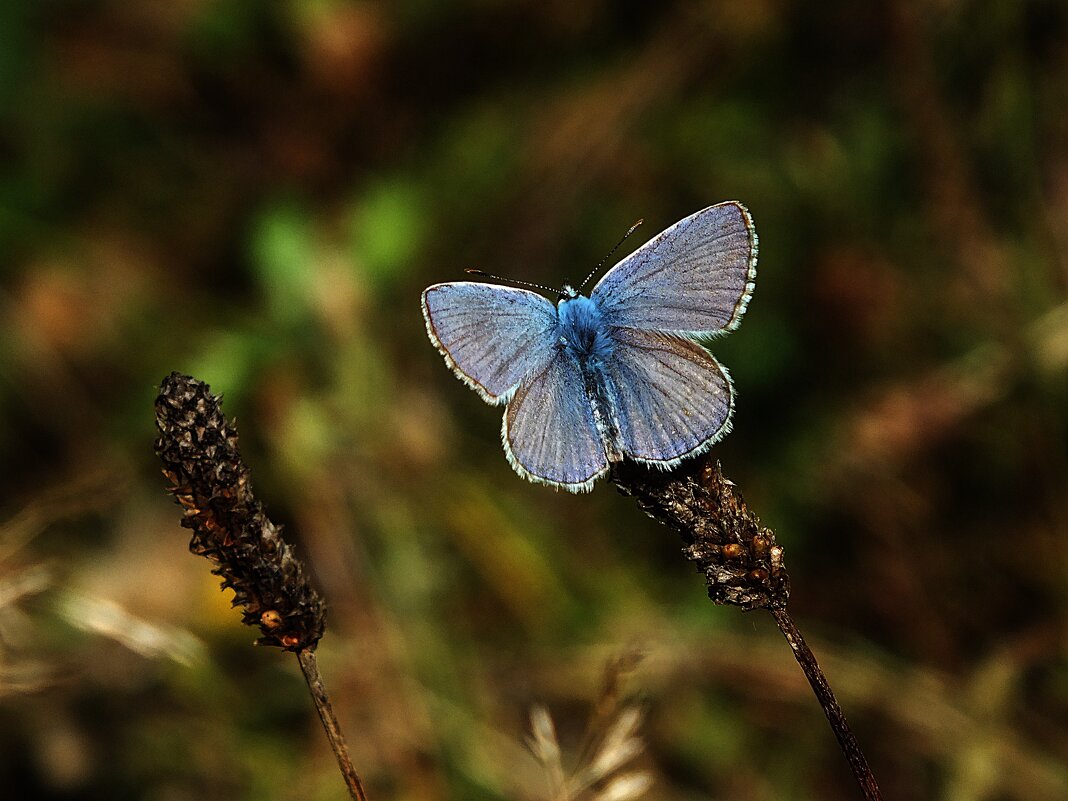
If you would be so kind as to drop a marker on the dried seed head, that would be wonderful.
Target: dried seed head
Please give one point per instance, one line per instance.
(209, 480)
(742, 564)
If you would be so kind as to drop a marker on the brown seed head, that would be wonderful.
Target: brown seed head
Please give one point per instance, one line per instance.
(202, 464)
(739, 558)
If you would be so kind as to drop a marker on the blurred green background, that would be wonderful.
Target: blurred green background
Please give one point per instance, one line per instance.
(256, 193)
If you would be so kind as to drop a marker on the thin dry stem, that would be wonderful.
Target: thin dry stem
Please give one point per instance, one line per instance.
(310, 667)
(825, 695)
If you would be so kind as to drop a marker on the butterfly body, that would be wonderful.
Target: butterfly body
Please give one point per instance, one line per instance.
(616, 374)
(585, 338)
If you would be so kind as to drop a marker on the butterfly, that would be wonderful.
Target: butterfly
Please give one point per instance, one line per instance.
(592, 380)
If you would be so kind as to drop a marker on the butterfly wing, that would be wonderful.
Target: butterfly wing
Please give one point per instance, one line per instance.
(671, 398)
(696, 277)
(491, 336)
(550, 435)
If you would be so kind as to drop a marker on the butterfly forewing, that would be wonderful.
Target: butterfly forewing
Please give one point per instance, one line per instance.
(491, 336)
(549, 430)
(695, 277)
(670, 397)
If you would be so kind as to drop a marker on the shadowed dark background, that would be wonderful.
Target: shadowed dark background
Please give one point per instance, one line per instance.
(256, 194)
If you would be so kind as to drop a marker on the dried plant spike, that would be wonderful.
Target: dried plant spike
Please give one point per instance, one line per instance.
(739, 558)
(210, 481)
(742, 565)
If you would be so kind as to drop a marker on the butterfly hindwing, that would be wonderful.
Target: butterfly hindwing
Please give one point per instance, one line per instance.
(671, 398)
(491, 336)
(550, 435)
(695, 277)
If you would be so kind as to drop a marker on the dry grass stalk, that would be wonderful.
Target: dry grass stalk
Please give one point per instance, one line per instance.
(742, 564)
(611, 742)
(210, 481)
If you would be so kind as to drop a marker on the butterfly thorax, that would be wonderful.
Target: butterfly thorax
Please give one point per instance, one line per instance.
(581, 329)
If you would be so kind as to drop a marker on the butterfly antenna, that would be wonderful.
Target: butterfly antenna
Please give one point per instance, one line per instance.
(600, 264)
(484, 274)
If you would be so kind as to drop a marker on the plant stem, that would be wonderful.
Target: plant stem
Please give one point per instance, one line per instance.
(825, 696)
(310, 666)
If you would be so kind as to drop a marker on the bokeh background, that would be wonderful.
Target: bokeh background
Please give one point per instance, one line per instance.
(256, 193)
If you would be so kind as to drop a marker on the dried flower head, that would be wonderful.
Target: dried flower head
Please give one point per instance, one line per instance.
(742, 564)
(208, 478)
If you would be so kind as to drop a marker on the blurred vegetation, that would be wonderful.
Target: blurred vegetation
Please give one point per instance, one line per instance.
(256, 193)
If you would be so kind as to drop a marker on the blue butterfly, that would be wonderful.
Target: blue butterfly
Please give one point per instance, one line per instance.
(593, 380)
